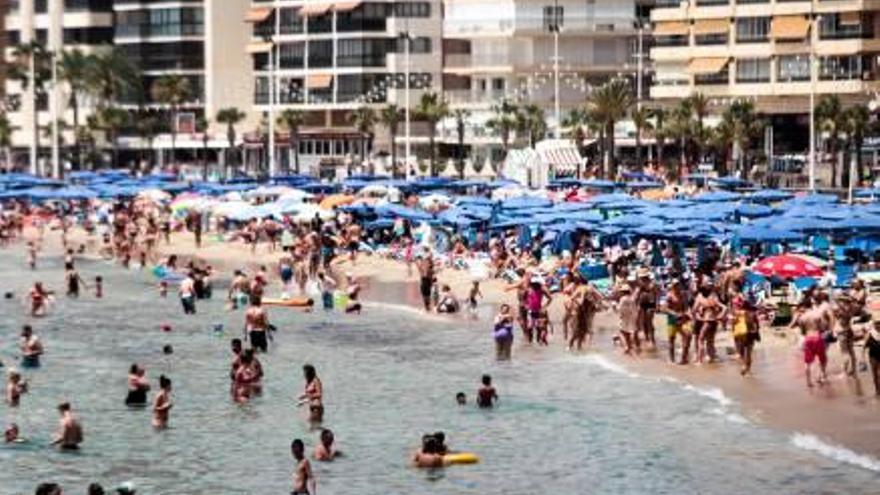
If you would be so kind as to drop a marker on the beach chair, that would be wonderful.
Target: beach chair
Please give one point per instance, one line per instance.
(821, 244)
(843, 274)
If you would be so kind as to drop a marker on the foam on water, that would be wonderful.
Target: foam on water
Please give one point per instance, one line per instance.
(609, 365)
(813, 443)
(405, 308)
(713, 393)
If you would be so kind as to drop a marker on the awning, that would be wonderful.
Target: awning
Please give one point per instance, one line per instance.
(314, 9)
(712, 65)
(789, 27)
(562, 159)
(712, 26)
(258, 47)
(319, 81)
(346, 6)
(671, 29)
(257, 14)
(850, 18)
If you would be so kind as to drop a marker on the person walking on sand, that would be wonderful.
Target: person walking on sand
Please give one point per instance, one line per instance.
(844, 310)
(677, 320)
(427, 274)
(707, 312)
(812, 321)
(872, 352)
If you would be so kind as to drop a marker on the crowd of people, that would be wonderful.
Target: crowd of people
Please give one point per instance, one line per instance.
(697, 301)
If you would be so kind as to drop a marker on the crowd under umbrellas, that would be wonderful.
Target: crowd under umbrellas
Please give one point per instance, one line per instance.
(697, 265)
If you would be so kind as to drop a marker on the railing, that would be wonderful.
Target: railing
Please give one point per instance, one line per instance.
(711, 39)
(670, 41)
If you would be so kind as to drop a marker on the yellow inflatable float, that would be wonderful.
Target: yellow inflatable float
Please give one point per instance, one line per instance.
(460, 458)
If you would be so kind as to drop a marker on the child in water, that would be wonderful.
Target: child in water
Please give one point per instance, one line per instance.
(461, 399)
(474, 294)
(486, 395)
(15, 387)
(32, 255)
(163, 289)
(99, 287)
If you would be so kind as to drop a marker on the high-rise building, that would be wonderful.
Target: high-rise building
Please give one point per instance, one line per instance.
(762, 50)
(329, 58)
(56, 25)
(497, 50)
(200, 40)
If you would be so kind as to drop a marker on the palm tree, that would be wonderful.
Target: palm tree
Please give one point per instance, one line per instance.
(172, 91)
(292, 120)
(660, 132)
(741, 127)
(364, 120)
(148, 126)
(112, 119)
(504, 122)
(390, 118)
(111, 76)
(461, 115)
(202, 126)
(699, 108)
(432, 108)
(574, 121)
(856, 120)
(6, 140)
(74, 69)
(608, 104)
(231, 117)
(829, 116)
(680, 127)
(532, 123)
(642, 120)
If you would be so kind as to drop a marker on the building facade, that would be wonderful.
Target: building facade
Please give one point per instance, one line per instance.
(201, 40)
(496, 50)
(762, 50)
(56, 25)
(329, 58)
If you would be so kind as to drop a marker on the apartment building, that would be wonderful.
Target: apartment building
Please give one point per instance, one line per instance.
(201, 40)
(329, 58)
(762, 50)
(497, 50)
(57, 25)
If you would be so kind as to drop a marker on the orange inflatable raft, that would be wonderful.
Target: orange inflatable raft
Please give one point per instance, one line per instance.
(295, 302)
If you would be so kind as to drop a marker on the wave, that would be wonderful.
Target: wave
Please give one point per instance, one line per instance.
(405, 308)
(713, 393)
(841, 454)
(609, 365)
(729, 416)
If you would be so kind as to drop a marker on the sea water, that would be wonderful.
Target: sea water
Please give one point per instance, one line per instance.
(565, 424)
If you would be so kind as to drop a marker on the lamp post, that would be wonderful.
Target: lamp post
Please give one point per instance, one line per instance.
(406, 36)
(813, 73)
(555, 27)
(271, 110)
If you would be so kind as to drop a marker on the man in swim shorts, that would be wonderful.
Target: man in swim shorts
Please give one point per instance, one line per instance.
(812, 321)
(256, 322)
(31, 348)
(426, 278)
(70, 434)
(302, 476)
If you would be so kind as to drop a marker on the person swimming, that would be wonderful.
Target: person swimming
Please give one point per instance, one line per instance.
(486, 395)
(70, 433)
(303, 478)
(325, 450)
(138, 386)
(461, 399)
(162, 404)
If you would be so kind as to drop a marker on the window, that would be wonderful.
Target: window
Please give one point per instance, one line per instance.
(841, 68)
(88, 36)
(291, 55)
(412, 9)
(838, 27)
(498, 84)
(711, 39)
(290, 22)
(320, 53)
(752, 70)
(752, 29)
(793, 68)
(554, 17)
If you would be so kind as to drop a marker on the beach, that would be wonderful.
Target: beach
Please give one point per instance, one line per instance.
(842, 414)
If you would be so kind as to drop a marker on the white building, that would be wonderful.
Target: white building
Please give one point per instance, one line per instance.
(497, 50)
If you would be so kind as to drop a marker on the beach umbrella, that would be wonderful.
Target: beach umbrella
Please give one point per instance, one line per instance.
(525, 202)
(770, 195)
(787, 266)
(756, 233)
(717, 196)
(155, 195)
(754, 210)
(811, 259)
(868, 222)
(643, 185)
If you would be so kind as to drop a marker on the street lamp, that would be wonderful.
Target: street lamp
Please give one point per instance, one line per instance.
(814, 32)
(555, 28)
(406, 36)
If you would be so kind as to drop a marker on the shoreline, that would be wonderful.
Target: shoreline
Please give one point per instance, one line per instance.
(842, 415)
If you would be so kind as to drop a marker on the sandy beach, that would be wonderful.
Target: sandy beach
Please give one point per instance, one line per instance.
(841, 414)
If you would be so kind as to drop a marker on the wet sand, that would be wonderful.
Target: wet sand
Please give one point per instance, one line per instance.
(844, 412)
